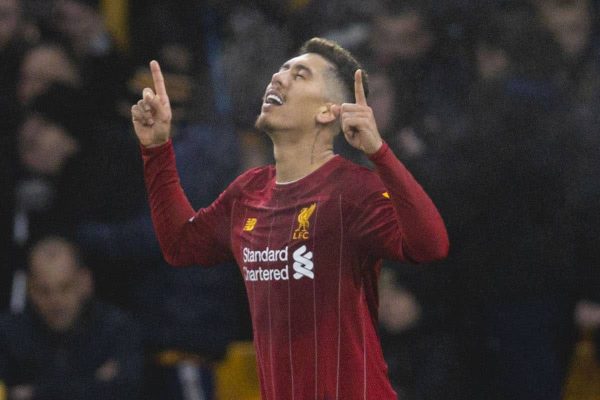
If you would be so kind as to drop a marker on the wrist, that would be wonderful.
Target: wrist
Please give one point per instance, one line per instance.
(372, 150)
(154, 145)
(154, 148)
(381, 151)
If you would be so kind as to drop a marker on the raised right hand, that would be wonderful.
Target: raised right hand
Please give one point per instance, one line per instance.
(152, 115)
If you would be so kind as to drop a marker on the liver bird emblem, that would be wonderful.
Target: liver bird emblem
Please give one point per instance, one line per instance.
(303, 221)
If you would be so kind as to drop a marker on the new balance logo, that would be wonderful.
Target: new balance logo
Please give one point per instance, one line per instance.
(250, 224)
(303, 265)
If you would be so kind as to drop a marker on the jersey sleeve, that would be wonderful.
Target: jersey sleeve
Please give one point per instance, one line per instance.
(185, 236)
(396, 219)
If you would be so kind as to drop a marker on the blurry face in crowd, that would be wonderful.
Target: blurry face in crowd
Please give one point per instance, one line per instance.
(298, 94)
(41, 67)
(492, 62)
(79, 22)
(569, 21)
(403, 36)
(44, 147)
(58, 287)
(9, 20)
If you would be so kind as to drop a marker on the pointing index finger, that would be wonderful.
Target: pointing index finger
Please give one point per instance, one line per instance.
(359, 90)
(157, 78)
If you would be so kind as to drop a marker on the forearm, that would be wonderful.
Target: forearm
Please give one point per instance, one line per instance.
(424, 235)
(186, 237)
(169, 208)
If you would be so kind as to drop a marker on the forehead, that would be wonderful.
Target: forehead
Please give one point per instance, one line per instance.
(312, 61)
(52, 268)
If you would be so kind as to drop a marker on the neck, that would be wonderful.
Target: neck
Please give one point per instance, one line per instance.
(296, 156)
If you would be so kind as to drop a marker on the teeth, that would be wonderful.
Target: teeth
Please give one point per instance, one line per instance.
(274, 99)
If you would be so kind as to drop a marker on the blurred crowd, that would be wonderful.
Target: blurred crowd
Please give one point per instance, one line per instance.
(494, 106)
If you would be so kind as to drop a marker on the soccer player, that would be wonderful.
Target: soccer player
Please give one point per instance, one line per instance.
(309, 232)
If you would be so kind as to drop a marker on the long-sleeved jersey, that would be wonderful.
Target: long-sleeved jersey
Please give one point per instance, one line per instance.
(309, 252)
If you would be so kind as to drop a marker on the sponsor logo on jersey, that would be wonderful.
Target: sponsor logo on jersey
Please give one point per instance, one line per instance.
(250, 224)
(266, 274)
(304, 215)
(265, 255)
(302, 264)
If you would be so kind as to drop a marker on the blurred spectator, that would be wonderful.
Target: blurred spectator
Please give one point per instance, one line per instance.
(43, 65)
(66, 345)
(103, 68)
(49, 156)
(12, 47)
(424, 86)
(571, 24)
(574, 26)
(583, 380)
(189, 316)
(53, 146)
(62, 179)
(417, 97)
(419, 334)
(514, 244)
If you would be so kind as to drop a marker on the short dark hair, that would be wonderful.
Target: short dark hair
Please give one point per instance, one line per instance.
(344, 62)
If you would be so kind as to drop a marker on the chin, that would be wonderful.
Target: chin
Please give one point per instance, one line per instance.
(262, 123)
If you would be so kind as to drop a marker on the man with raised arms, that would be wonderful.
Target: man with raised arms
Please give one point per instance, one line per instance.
(315, 224)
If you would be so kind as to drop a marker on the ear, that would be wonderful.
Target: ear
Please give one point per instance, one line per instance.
(327, 114)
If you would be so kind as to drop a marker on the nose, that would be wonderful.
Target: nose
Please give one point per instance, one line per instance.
(278, 78)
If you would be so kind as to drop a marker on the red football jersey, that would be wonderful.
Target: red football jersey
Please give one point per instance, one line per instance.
(309, 252)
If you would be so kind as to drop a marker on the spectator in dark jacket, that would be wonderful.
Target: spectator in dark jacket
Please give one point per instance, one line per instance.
(66, 345)
(189, 316)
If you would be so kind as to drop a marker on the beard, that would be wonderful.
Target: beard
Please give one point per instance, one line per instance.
(262, 124)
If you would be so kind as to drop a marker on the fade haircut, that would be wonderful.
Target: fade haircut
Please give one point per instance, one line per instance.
(344, 62)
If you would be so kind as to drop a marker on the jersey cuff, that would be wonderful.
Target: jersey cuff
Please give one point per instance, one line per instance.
(379, 154)
(152, 151)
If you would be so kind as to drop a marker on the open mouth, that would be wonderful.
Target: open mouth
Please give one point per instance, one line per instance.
(274, 98)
